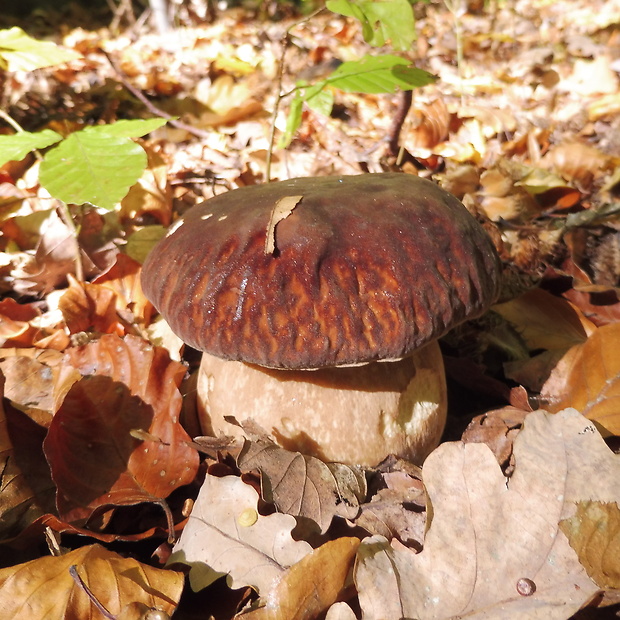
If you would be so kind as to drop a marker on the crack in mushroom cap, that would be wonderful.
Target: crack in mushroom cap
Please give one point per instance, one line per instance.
(365, 268)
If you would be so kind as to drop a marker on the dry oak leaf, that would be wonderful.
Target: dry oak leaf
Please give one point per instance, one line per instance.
(225, 535)
(304, 486)
(44, 589)
(590, 379)
(594, 533)
(312, 586)
(488, 532)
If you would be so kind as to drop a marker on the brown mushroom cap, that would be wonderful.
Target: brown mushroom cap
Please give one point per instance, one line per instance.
(363, 268)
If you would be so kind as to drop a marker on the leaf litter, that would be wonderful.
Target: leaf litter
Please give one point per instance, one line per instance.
(515, 516)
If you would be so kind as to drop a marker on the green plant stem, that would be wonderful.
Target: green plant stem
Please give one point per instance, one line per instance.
(11, 121)
(276, 106)
(456, 9)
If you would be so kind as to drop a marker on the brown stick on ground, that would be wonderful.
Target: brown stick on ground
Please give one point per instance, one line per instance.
(394, 148)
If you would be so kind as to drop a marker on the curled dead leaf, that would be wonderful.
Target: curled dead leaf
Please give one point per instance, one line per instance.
(225, 535)
(304, 486)
(590, 379)
(43, 588)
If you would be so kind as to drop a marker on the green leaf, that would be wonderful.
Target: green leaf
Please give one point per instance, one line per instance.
(15, 147)
(320, 99)
(382, 20)
(378, 74)
(130, 128)
(92, 166)
(293, 121)
(20, 52)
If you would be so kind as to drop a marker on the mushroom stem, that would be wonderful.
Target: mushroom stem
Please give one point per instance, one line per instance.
(355, 415)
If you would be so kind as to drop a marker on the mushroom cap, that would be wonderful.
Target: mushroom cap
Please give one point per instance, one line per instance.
(325, 271)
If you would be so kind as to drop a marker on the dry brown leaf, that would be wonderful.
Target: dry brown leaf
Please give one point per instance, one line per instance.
(429, 127)
(15, 329)
(549, 325)
(124, 279)
(152, 193)
(312, 585)
(576, 162)
(594, 533)
(281, 210)
(147, 371)
(225, 535)
(90, 448)
(496, 429)
(304, 486)
(90, 307)
(488, 533)
(589, 379)
(545, 321)
(44, 589)
(36, 385)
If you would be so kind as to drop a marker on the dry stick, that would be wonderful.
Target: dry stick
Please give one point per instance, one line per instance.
(153, 109)
(276, 106)
(80, 582)
(63, 209)
(404, 105)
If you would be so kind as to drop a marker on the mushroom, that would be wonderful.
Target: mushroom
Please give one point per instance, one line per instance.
(318, 303)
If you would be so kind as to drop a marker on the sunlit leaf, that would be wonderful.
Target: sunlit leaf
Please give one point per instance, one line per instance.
(93, 166)
(16, 146)
(382, 20)
(594, 533)
(226, 535)
(44, 588)
(20, 52)
(378, 74)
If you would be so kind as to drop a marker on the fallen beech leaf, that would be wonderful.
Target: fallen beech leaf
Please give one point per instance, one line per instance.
(35, 387)
(44, 589)
(148, 372)
(430, 126)
(594, 533)
(591, 379)
(545, 321)
(482, 521)
(312, 585)
(124, 279)
(26, 488)
(151, 193)
(225, 535)
(282, 209)
(577, 162)
(549, 325)
(304, 486)
(90, 307)
(89, 447)
(15, 328)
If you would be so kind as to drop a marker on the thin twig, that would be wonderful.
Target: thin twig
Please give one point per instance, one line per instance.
(404, 105)
(276, 106)
(80, 582)
(153, 109)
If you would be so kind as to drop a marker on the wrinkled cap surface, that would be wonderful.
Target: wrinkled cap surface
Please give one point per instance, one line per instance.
(363, 268)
